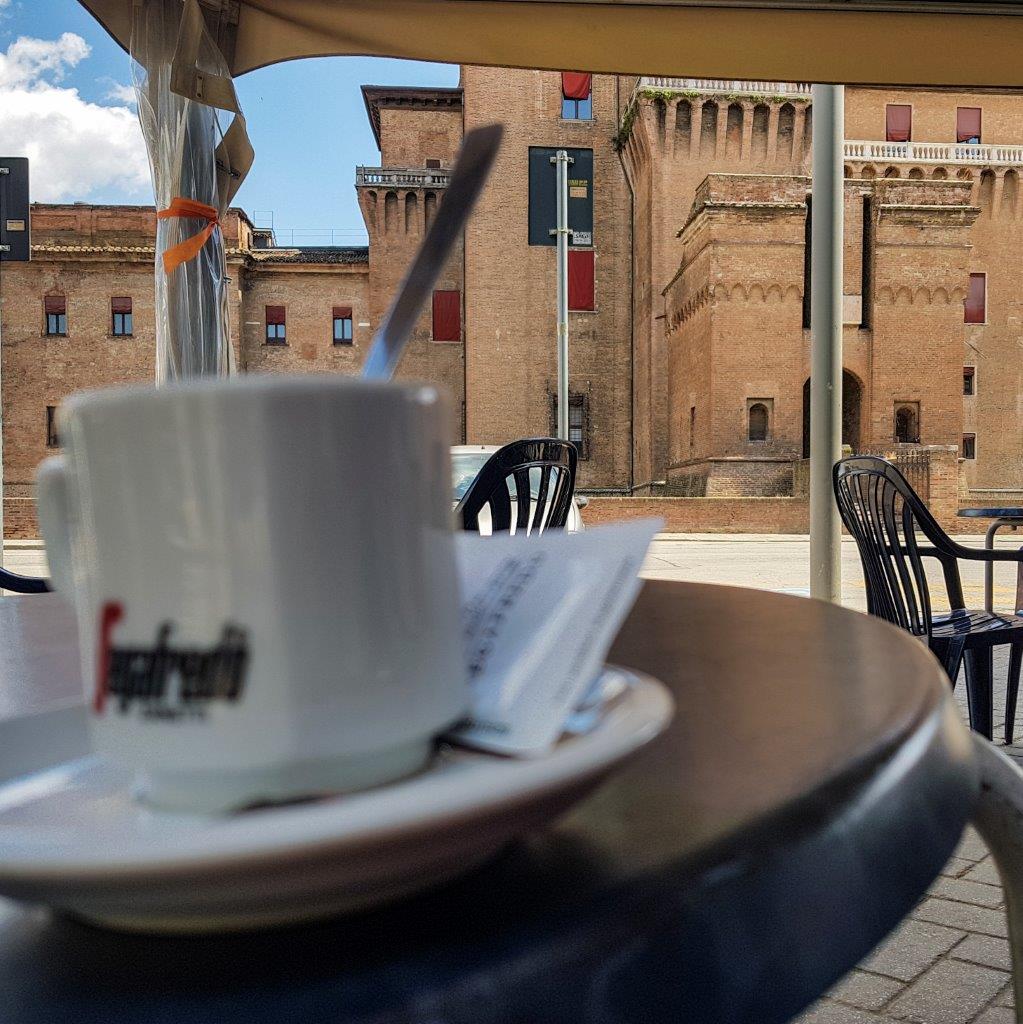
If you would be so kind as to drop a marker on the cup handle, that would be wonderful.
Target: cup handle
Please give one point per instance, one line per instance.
(54, 507)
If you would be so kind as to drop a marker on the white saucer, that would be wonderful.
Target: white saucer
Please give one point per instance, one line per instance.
(72, 836)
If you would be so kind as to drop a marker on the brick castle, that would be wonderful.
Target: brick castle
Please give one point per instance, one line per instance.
(689, 365)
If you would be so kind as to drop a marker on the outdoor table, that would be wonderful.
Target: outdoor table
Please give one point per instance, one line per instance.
(1011, 516)
(814, 781)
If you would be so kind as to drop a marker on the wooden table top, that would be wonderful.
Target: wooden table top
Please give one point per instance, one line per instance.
(815, 779)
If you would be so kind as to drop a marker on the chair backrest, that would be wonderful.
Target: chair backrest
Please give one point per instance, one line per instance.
(884, 515)
(18, 584)
(529, 483)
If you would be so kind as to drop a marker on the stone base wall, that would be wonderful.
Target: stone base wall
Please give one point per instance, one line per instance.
(20, 522)
(732, 478)
(706, 515)
(783, 514)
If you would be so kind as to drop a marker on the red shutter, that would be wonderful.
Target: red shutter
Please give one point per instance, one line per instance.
(976, 299)
(120, 304)
(55, 303)
(580, 279)
(275, 314)
(447, 316)
(967, 123)
(576, 85)
(342, 312)
(898, 122)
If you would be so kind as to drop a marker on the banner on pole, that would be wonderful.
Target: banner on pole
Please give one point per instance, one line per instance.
(543, 205)
(15, 218)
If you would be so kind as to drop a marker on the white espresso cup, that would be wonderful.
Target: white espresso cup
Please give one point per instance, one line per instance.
(263, 573)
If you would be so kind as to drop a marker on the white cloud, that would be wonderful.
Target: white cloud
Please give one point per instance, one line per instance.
(76, 147)
(122, 94)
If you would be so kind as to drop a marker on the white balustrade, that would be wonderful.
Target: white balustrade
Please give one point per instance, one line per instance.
(401, 177)
(727, 86)
(933, 153)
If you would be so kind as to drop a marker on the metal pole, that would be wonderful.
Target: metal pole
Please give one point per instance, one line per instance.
(826, 340)
(562, 160)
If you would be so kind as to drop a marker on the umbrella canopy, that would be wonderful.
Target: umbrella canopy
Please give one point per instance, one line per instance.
(952, 42)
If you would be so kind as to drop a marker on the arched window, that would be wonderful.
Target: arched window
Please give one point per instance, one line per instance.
(758, 422)
(907, 424)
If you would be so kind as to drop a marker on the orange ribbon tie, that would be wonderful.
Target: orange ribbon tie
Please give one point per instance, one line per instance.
(190, 247)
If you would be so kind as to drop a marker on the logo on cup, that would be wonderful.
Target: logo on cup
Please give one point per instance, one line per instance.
(168, 682)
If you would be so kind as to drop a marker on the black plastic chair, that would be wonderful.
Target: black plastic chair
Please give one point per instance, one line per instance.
(505, 486)
(884, 515)
(23, 584)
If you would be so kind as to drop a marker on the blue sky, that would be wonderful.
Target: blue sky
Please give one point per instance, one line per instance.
(63, 103)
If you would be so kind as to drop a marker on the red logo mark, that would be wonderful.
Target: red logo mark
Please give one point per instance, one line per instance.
(111, 614)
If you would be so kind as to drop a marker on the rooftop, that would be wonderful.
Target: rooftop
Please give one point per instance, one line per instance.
(412, 98)
(342, 254)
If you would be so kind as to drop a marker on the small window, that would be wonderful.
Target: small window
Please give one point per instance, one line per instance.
(432, 162)
(578, 422)
(52, 441)
(692, 430)
(276, 327)
(55, 308)
(975, 306)
(121, 316)
(581, 293)
(907, 423)
(898, 122)
(447, 316)
(757, 422)
(968, 125)
(576, 96)
(342, 325)
(969, 446)
(969, 380)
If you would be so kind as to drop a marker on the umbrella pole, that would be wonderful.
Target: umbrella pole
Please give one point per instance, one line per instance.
(196, 336)
(826, 339)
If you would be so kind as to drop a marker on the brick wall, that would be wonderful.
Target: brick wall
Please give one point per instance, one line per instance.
(20, 521)
(308, 294)
(510, 286)
(706, 515)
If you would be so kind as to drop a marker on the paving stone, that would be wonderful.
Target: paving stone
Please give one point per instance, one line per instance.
(964, 916)
(913, 946)
(866, 991)
(983, 949)
(957, 866)
(1006, 997)
(985, 871)
(962, 891)
(827, 1012)
(997, 1015)
(971, 847)
(950, 992)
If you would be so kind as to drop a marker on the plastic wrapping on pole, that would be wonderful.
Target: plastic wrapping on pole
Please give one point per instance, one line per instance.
(826, 339)
(192, 334)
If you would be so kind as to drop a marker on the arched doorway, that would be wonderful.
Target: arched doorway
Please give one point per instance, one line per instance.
(852, 402)
(907, 423)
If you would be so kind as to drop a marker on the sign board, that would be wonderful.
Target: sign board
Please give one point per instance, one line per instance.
(14, 212)
(852, 309)
(543, 196)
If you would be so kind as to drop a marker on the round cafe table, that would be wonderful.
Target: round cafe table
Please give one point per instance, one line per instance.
(1010, 516)
(814, 781)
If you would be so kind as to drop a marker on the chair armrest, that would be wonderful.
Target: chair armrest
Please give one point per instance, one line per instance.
(23, 584)
(967, 554)
(987, 554)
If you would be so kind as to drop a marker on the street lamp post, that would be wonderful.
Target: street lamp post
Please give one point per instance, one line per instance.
(561, 160)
